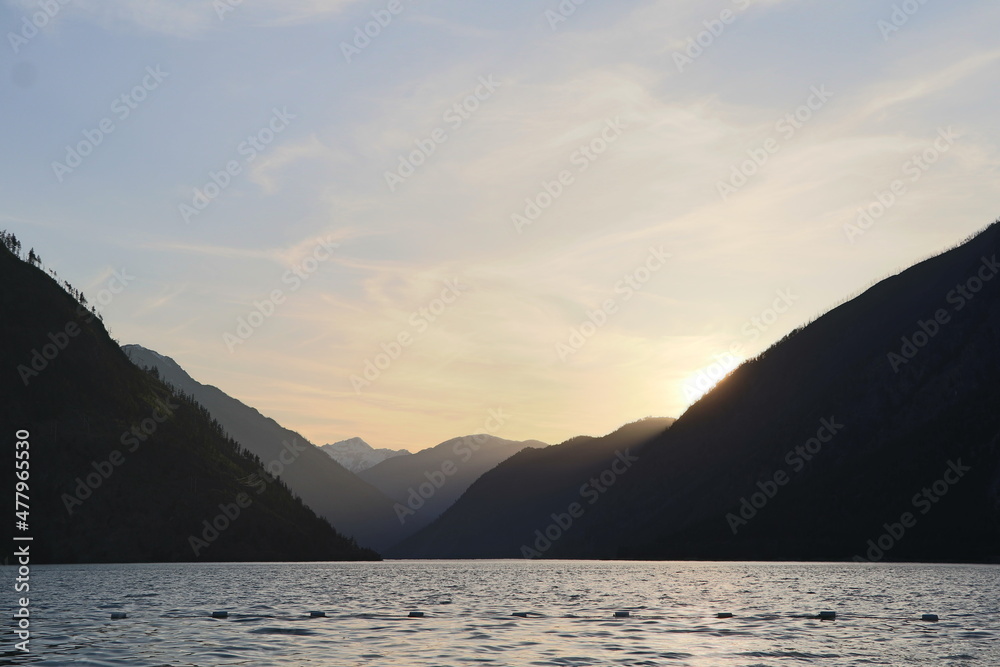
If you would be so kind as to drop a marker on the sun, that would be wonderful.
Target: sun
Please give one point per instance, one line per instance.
(705, 379)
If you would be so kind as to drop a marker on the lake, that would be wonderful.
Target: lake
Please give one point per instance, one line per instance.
(468, 607)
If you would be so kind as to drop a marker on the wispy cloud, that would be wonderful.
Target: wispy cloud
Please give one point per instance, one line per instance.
(195, 18)
(286, 255)
(887, 96)
(268, 170)
(654, 186)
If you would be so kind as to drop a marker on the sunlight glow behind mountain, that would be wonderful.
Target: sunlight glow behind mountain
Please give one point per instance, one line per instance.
(391, 240)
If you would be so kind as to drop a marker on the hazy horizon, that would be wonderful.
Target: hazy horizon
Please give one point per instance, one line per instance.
(694, 204)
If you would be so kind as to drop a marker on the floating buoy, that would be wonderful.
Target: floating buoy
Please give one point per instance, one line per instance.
(828, 616)
(118, 615)
(621, 614)
(317, 614)
(724, 614)
(220, 614)
(930, 618)
(416, 614)
(520, 614)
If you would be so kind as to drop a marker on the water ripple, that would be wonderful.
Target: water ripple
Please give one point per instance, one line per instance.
(568, 613)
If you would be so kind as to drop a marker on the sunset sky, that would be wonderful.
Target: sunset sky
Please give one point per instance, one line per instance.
(695, 165)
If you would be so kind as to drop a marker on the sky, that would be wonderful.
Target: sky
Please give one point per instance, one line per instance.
(409, 220)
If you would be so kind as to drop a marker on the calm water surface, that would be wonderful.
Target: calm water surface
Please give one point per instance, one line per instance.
(468, 607)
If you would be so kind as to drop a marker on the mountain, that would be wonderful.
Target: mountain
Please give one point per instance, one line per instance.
(500, 512)
(356, 455)
(354, 506)
(113, 466)
(871, 434)
(426, 483)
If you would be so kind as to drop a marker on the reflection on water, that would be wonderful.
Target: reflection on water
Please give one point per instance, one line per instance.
(468, 606)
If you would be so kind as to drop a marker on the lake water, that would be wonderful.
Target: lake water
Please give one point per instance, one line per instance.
(468, 607)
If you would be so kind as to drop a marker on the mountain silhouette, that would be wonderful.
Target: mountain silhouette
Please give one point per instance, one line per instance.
(427, 483)
(356, 455)
(117, 468)
(354, 506)
(498, 515)
(871, 434)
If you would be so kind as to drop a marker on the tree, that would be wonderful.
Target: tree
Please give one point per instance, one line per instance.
(10, 242)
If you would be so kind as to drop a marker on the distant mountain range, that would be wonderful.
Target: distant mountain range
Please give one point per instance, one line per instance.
(114, 467)
(499, 513)
(871, 434)
(348, 502)
(425, 484)
(356, 455)
(380, 505)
